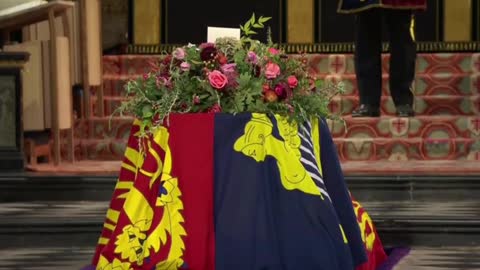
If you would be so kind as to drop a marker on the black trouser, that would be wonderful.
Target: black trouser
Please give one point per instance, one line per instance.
(368, 47)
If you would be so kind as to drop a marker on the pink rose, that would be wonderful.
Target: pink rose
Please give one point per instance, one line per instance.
(206, 45)
(196, 100)
(272, 71)
(145, 76)
(179, 53)
(217, 79)
(292, 81)
(185, 66)
(162, 80)
(252, 57)
(230, 70)
(273, 51)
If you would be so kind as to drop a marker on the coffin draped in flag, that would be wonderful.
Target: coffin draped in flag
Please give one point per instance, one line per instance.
(351, 6)
(251, 191)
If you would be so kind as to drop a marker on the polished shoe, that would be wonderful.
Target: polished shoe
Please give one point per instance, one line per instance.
(405, 111)
(366, 111)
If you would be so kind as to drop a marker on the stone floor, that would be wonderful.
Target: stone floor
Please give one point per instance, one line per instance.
(74, 258)
(441, 258)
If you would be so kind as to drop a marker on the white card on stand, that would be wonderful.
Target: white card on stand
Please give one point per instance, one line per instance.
(220, 32)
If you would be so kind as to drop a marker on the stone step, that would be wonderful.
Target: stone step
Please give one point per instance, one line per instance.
(388, 185)
(398, 222)
(71, 256)
(413, 185)
(73, 186)
(426, 127)
(441, 257)
(423, 105)
(426, 223)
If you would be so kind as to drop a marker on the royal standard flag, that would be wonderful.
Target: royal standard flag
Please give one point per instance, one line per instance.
(250, 191)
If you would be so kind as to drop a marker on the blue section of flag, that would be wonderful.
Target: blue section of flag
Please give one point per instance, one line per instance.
(335, 183)
(260, 225)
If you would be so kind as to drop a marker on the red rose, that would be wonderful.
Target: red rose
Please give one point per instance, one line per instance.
(215, 109)
(196, 100)
(222, 59)
(273, 51)
(217, 79)
(280, 91)
(265, 88)
(166, 61)
(292, 81)
(208, 51)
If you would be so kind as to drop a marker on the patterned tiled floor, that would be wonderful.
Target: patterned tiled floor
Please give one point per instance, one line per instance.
(74, 258)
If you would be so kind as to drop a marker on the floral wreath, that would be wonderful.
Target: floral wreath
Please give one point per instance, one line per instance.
(231, 76)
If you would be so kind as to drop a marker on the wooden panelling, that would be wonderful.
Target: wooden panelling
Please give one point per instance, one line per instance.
(300, 21)
(146, 21)
(458, 20)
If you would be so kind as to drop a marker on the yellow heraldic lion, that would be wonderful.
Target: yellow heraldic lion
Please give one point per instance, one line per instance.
(134, 243)
(364, 221)
(258, 142)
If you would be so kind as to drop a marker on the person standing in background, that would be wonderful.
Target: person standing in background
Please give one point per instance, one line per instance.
(399, 19)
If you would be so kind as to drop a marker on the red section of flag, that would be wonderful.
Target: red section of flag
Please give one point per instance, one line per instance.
(193, 165)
